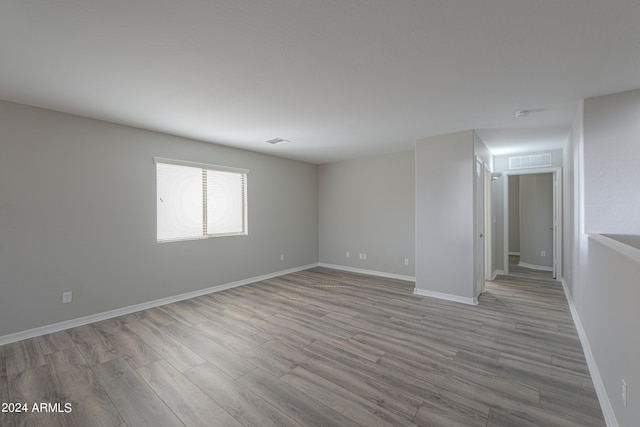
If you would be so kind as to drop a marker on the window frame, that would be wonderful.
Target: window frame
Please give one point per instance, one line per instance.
(204, 167)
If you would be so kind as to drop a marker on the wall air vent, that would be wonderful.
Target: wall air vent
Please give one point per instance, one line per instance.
(533, 161)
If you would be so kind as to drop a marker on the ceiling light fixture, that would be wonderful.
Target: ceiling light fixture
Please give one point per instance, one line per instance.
(521, 113)
(276, 141)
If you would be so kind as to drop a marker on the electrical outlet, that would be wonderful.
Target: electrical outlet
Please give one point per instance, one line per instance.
(543, 253)
(360, 256)
(364, 257)
(406, 261)
(348, 254)
(282, 257)
(624, 393)
(67, 297)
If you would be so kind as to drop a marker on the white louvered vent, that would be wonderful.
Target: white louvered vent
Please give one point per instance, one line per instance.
(533, 161)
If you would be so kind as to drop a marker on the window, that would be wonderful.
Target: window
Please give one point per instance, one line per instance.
(196, 200)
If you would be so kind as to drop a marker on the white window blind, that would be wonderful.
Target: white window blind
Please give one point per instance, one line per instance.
(197, 200)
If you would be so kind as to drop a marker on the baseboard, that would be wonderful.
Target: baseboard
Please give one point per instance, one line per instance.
(496, 273)
(601, 391)
(56, 327)
(369, 272)
(514, 253)
(535, 267)
(448, 297)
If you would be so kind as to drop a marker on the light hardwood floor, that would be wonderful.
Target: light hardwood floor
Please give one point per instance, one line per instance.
(315, 348)
(518, 271)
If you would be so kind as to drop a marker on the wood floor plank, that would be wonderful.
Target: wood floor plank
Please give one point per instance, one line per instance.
(174, 352)
(23, 355)
(535, 377)
(285, 351)
(546, 371)
(188, 402)
(242, 403)
(78, 384)
(287, 399)
(350, 405)
(126, 344)
(132, 317)
(376, 390)
(248, 350)
(214, 353)
(500, 418)
(93, 346)
(138, 404)
(433, 416)
(576, 364)
(517, 415)
(400, 346)
(486, 389)
(576, 406)
(246, 328)
(157, 317)
(182, 314)
(35, 386)
(56, 341)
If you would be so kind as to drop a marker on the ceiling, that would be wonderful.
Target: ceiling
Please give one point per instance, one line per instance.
(338, 78)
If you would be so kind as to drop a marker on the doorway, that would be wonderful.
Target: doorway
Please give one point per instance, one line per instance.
(532, 229)
(482, 225)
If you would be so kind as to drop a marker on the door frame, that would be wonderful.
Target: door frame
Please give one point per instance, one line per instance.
(482, 232)
(557, 215)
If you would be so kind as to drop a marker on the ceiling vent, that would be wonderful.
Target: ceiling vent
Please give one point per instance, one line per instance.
(533, 161)
(276, 141)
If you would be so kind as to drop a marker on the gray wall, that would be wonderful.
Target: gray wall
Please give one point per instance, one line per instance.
(368, 206)
(612, 199)
(536, 217)
(602, 277)
(514, 214)
(78, 213)
(445, 214)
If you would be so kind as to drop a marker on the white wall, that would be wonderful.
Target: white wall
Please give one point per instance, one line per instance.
(368, 206)
(603, 285)
(445, 215)
(78, 213)
(612, 128)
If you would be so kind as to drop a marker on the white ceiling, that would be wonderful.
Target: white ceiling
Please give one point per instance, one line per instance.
(338, 78)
